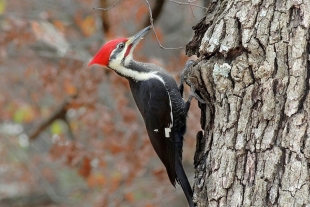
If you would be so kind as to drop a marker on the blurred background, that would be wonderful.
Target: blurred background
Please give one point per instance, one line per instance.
(71, 135)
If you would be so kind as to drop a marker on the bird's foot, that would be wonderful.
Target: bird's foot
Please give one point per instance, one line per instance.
(195, 95)
(191, 96)
(185, 73)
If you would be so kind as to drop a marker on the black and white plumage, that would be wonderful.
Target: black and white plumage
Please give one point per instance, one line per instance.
(159, 100)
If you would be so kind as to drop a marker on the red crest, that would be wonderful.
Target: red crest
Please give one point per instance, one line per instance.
(103, 55)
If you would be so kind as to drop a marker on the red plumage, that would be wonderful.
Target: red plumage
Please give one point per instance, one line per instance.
(103, 55)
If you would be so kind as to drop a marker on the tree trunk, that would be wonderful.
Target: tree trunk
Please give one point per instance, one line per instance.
(253, 72)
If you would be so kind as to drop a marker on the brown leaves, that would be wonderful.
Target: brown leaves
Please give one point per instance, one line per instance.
(86, 24)
(70, 88)
(130, 197)
(96, 180)
(141, 11)
(85, 167)
(160, 173)
(73, 154)
(101, 137)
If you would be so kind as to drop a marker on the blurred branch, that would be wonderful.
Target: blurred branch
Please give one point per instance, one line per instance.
(107, 8)
(104, 16)
(59, 113)
(206, 3)
(157, 9)
(35, 172)
(188, 3)
(152, 23)
(154, 14)
(34, 199)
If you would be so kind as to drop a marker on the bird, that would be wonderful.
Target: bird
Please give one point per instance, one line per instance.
(159, 100)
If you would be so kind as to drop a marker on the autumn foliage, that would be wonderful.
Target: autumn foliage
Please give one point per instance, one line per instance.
(95, 150)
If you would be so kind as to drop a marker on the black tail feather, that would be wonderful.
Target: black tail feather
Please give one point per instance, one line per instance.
(183, 181)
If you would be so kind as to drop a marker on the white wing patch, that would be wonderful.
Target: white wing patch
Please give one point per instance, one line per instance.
(167, 132)
(155, 130)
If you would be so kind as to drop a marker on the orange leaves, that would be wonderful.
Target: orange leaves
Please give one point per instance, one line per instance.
(44, 62)
(37, 29)
(130, 116)
(100, 180)
(149, 205)
(86, 24)
(16, 32)
(96, 180)
(129, 197)
(85, 167)
(24, 114)
(59, 25)
(73, 155)
(160, 173)
(141, 13)
(115, 147)
(115, 181)
(48, 174)
(108, 128)
(50, 35)
(70, 88)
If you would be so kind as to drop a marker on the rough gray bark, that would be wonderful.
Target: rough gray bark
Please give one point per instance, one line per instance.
(253, 72)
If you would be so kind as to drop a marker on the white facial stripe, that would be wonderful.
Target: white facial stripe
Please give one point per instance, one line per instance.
(118, 56)
(137, 76)
(129, 56)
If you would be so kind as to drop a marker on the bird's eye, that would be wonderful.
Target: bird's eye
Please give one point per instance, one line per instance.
(121, 46)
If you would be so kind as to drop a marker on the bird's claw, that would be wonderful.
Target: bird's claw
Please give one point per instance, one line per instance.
(194, 94)
(185, 73)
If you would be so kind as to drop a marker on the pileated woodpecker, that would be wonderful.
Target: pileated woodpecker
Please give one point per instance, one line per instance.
(159, 100)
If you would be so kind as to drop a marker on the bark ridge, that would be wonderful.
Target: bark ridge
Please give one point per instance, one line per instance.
(253, 72)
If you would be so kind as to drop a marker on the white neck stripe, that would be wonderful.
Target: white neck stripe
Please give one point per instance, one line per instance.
(135, 75)
(142, 76)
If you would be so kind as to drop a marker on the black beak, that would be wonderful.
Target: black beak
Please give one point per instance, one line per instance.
(136, 38)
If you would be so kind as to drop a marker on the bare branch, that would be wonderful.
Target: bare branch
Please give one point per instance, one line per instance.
(59, 113)
(188, 3)
(35, 172)
(157, 9)
(33, 199)
(106, 9)
(105, 18)
(152, 23)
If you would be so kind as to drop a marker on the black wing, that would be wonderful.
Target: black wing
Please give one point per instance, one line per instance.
(154, 104)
